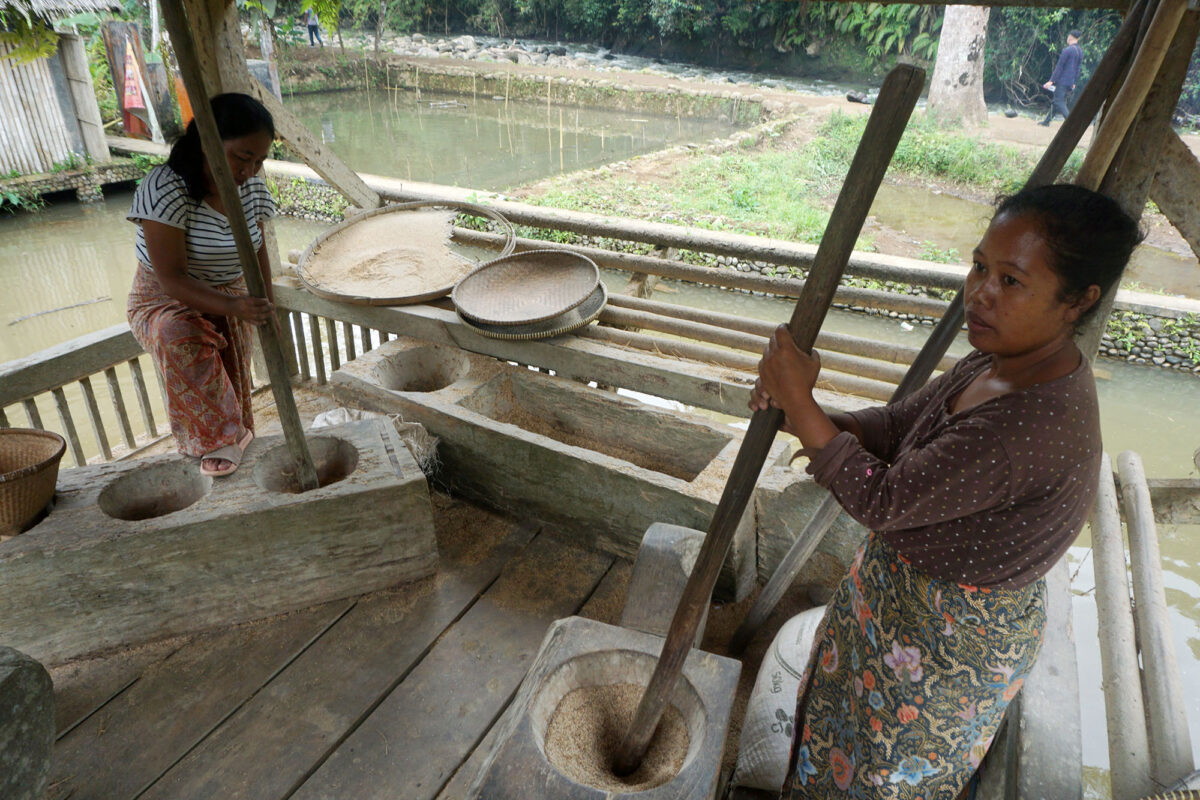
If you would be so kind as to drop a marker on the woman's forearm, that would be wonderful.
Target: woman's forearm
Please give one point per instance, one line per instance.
(809, 423)
(195, 293)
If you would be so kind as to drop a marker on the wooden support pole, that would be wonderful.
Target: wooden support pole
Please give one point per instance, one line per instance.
(1128, 749)
(1131, 173)
(1133, 93)
(231, 61)
(1166, 704)
(268, 335)
(887, 122)
(1091, 99)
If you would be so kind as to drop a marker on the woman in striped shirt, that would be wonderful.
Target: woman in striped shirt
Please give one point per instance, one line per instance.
(189, 307)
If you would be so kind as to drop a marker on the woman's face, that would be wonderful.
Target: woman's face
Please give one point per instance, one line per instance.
(1013, 296)
(246, 154)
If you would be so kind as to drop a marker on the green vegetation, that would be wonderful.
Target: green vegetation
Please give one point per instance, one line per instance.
(12, 200)
(929, 151)
(786, 193)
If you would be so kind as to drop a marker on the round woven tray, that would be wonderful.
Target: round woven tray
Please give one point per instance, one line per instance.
(28, 473)
(577, 317)
(526, 288)
(422, 279)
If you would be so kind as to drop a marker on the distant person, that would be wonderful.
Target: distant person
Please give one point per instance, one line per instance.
(314, 28)
(189, 308)
(1062, 80)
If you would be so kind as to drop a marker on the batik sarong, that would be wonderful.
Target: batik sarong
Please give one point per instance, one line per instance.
(908, 681)
(204, 362)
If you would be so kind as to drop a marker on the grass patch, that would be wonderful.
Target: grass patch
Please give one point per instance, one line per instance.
(788, 193)
(928, 150)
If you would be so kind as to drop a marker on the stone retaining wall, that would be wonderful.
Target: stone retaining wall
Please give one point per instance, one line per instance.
(396, 73)
(85, 181)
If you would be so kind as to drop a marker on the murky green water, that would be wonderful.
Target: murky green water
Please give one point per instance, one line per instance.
(481, 142)
(69, 267)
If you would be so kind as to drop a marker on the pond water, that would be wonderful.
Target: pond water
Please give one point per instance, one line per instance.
(70, 267)
(484, 142)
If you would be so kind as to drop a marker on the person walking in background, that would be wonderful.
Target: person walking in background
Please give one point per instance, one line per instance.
(314, 28)
(1062, 80)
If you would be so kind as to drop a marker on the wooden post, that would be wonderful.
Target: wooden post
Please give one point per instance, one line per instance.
(1091, 99)
(1125, 107)
(897, 97)
(1128, 749)
(1129, 177)
(1166, 705)
(268, 335)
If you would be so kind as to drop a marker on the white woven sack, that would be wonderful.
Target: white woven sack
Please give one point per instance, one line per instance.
(767, 728)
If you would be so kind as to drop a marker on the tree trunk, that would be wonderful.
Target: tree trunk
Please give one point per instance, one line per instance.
(956, 88)
(379, 24)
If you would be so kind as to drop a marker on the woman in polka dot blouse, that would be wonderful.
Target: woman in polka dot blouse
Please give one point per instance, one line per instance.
(973, 487)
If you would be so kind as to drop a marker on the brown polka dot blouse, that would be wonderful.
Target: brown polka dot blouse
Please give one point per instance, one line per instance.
(991, 495)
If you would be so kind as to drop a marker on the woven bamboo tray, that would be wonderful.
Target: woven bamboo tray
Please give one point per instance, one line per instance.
(28, 473)
(421, 284)
(526, 288)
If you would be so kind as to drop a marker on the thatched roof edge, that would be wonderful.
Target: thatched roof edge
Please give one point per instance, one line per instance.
(57, 9)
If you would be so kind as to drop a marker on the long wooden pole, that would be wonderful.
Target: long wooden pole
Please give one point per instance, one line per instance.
(1046, 171)
(214, 153)
(1124, 709)
(887, 122)
(1166, 705)
(1129, 100)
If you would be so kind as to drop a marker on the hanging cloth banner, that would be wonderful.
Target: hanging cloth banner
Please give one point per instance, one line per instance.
(133, 89)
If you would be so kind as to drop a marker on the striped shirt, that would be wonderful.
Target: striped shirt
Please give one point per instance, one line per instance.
(212, 254)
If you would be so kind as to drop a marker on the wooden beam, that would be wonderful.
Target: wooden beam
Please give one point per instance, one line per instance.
(268, 335)
(235, 77)
(1131, 172)
(1176, 188)
(1125, 107)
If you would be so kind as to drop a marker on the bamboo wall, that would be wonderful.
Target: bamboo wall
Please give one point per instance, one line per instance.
(33, 134)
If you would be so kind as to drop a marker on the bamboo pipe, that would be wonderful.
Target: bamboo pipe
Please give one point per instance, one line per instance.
(1133, 93)
(784, 287)
(268, 335)
(939, 341)
(751, 343)
(839, 342)
(889, 116)
(829, 380)
(1128, 748)
(1166, 706)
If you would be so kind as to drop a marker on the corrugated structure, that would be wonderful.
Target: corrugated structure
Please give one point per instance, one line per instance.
(48, 107)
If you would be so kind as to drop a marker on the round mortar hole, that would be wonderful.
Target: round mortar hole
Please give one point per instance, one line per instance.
(333, 458)
(584, 708)
(155, 490)
(422, 369)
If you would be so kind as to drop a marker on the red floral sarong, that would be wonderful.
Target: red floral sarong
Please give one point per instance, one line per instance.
(204, 362)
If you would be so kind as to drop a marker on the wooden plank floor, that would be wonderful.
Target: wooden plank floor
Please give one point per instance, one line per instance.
(386, 695)
(392, 694)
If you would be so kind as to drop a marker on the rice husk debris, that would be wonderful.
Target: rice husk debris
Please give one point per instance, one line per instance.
(587, 728)
(389, 255)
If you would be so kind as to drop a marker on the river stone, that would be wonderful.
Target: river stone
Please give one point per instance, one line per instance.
(26, 726)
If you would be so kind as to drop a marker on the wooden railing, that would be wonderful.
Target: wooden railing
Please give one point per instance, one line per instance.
(63, 375)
